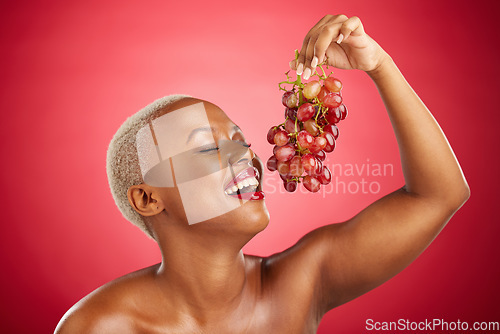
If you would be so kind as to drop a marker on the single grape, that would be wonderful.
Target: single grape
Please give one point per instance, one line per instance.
(332, 129)
(311, 183)
(291, 113)
(333, 116)
(305, 112)
(319, 168)
(270, 135)
(343, 111)
(296, 168)
(281, 138)
(311, 89)
(321, 155)
(330, 141)
(332, 100)
(290, 186)
(290, 126)
(311, 127)
(333, 84)
(275, 148)
(283, 167)
(322, 93)
(325, 177)
(305, 139)
(309, 163)
(271, 163)
(285, 153)
(289, 99)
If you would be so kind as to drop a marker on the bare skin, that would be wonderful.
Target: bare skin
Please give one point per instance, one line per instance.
(205, 284)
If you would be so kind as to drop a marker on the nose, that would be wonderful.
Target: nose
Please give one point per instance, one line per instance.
(240, 157)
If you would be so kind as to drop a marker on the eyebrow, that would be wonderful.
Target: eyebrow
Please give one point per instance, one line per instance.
(207, 129)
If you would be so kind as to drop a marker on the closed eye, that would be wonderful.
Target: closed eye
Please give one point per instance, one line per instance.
(213, 149)
(209, 150)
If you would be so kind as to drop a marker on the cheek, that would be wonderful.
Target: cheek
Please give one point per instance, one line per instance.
(204, 198)
(189, 167)
(173, 204)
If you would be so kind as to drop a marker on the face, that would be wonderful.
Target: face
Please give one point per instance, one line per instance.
(201, 166)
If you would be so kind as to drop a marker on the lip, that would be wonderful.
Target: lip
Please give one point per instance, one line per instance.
(245, 174)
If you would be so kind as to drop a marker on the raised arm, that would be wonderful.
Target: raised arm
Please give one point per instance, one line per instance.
(354, 257)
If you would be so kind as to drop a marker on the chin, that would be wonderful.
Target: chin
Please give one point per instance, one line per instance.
(256, 216)
(240, 225)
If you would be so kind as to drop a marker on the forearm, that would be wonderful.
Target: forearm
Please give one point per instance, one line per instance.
(429, 165)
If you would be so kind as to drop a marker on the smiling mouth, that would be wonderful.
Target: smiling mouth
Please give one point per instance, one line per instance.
(245, 185)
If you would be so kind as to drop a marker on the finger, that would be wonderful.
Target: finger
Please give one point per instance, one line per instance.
(351, 26)
(301, 58)
(305, 43)
(325, 36)
(309, 55)
(328, 34)
(293, 64)
(306, 54)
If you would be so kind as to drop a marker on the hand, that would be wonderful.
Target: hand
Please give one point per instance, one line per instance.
(345, 43)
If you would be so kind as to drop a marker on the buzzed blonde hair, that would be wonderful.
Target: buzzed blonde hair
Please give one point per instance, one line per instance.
(122, 163)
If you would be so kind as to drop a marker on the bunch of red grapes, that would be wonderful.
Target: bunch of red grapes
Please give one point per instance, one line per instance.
(309, 132)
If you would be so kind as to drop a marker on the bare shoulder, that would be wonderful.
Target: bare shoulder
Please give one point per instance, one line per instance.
(112, 308)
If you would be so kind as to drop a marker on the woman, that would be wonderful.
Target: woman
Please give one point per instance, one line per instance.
(205, 284)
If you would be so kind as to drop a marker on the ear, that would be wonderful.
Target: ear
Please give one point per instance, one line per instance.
(145, 200)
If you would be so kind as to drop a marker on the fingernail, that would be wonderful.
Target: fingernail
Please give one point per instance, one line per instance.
(307, 73)
(339, 40)
(314, 62)
(300, 68)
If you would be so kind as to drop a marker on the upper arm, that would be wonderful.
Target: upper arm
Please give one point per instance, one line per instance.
(376, 244)
(348, 259)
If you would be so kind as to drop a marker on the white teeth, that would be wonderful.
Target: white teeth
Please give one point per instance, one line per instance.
(252, 181)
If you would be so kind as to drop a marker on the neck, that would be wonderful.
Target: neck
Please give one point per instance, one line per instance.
(205, 275)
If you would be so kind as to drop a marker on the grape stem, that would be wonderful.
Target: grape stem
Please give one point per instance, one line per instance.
(296, 83)
(324, 76)
(296, 179)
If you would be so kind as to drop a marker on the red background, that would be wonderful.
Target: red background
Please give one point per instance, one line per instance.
(72, 71)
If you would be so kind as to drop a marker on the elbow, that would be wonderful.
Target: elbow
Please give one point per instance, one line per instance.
(458, 196)
(464, 191)
(465, 194)
(451, 198)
